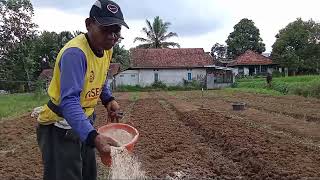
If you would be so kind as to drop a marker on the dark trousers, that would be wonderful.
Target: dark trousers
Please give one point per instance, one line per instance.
(64, 156)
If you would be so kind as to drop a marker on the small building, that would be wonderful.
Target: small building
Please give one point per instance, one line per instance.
(114, 69)
(219, 77)
(172, 67)
(251, 63)
(46, 76)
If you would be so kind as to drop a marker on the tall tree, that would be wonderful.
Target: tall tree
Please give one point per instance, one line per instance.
(297, 46)
(64, 37)
(246, 36)
(121, 55)
(46, 49)
(157, 34)
(219, 51)
(16, 32)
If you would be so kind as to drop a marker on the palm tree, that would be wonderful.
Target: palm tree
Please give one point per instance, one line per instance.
(157, 35)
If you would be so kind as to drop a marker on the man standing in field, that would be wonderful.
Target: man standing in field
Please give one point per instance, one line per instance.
(65, 134)
(269, 80)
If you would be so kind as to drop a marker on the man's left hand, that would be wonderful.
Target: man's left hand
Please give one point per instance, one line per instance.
(113, 109)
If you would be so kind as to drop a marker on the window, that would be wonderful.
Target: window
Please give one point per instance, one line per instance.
(121, 75)
(156, 77)
(132, 75)
(189, 76)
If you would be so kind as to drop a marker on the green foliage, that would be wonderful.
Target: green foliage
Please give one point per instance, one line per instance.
(219, 51)
(121, 55)
(16, 34)
(297, 47)
(235, 85)
(127, 88)
(159, 85)
(246, 36)
(277, 73)
(157, 34)
(24, 52)
(15, 104)
(308, 86)
(193, 84)
(40, 87)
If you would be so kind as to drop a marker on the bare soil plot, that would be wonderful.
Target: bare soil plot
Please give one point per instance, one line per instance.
(183, 135)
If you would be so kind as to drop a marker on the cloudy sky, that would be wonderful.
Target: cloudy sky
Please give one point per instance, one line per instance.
(199, 23)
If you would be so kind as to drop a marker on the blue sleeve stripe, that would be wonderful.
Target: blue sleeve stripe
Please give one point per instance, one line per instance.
(73, 67)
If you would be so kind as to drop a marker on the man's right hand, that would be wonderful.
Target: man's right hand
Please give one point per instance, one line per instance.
(103, 143)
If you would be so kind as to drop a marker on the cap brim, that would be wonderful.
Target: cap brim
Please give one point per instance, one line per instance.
(108, 21)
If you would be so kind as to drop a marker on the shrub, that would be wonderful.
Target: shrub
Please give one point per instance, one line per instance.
(277, 73)
(159, 84)
(128, 88)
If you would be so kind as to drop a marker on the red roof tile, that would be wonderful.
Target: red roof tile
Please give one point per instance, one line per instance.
(251, 58)
(113, 69)
(169, 58)
(46, 74)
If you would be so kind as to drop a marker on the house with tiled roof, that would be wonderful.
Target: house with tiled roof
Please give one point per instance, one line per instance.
(251, 63)
(114, 69)
(170, 66)
(46, 76)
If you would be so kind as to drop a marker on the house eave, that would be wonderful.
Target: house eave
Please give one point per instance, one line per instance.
(167, 67)
(251, 65)
(220, 67)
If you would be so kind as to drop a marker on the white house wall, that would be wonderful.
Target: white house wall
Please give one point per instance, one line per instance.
(235, 71)
(246, 70)
(129, 77)
(146, 77)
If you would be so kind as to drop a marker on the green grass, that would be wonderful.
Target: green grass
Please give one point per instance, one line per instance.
(15, 104)
(308, 86)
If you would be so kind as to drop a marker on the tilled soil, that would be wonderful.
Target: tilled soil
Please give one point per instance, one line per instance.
(209, 144)
(19, 153)
(184, 136)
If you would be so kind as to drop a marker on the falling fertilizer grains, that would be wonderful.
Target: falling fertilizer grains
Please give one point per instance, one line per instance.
(125, 166)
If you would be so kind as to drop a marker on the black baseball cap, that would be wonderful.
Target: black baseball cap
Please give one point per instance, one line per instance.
(107, 13)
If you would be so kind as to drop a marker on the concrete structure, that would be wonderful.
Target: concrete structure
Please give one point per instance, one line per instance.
(171, 77)
(113, 70)
(251, 63)
(174, 67)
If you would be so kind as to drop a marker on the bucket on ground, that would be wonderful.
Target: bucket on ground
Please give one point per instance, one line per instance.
(238, 106)
(125, 134)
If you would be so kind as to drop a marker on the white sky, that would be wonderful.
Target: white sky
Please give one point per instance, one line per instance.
(199, 23)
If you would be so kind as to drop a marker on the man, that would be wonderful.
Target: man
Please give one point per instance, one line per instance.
(65, 134)
(269, 80)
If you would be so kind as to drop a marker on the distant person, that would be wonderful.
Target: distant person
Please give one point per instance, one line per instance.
(269, 80)
(65, 133)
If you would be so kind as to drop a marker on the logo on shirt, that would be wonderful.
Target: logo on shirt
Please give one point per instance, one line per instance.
(91, 77)
(94, 93)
